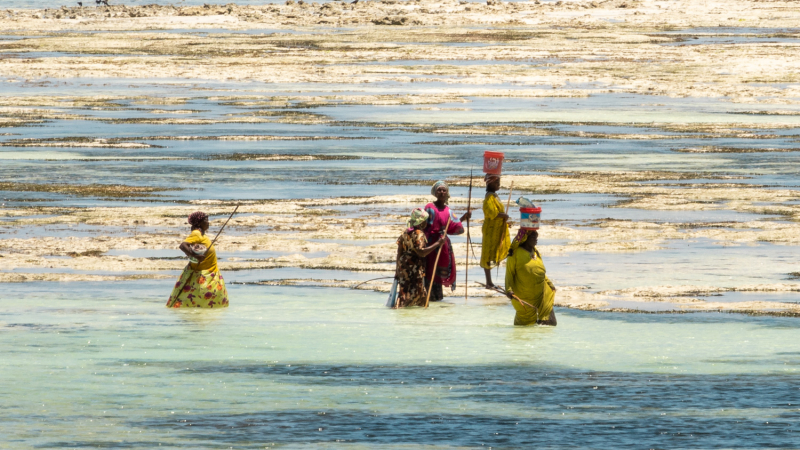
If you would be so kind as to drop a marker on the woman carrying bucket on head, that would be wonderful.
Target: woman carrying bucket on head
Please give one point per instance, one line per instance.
(531, 293)
(442, 271)
(496, 240)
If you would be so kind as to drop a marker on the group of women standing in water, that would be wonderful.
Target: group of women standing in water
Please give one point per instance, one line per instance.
(426, 262)
(425, 257)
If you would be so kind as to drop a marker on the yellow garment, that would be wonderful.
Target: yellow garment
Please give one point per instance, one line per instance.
(210, 263)
(526, 278)
(496, 240)
(203, 289)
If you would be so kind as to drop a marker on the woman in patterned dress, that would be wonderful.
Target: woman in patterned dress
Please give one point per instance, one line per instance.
(412, 248)
(201, 285)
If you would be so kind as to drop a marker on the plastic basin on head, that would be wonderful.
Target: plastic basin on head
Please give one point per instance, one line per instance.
(529, 218)
(493, 162)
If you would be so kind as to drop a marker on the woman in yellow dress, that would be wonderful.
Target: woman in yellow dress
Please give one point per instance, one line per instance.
(526, 280)
(496, 240)
(201, 285)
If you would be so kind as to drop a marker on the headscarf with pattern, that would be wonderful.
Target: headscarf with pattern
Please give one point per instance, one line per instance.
(489, 177)
(418, 215)
(522, 235)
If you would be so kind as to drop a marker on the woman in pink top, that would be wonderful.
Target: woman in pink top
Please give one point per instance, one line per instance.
(444, 272)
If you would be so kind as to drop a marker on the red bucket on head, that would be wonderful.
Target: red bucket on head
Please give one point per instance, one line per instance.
(493, 162)
(529, 218)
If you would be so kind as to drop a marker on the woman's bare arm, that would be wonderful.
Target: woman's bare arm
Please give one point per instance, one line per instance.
(427, 250)
(187, 249)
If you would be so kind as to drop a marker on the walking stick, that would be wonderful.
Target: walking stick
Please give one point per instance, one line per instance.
(436, 262)
(209, 247)
(466, 270)
(508, 204)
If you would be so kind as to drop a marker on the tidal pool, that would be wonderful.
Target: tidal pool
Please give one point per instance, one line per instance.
(108, 366)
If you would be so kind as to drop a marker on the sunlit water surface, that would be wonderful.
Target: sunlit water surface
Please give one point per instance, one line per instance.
(105, 365)
(310, 367)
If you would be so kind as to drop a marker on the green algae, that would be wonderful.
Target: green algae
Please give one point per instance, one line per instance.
(89, 190)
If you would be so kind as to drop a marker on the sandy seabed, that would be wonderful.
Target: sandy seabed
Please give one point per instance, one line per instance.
(580, 48)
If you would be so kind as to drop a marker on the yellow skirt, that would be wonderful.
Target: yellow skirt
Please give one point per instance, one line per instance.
(199, 289)
(541, 311)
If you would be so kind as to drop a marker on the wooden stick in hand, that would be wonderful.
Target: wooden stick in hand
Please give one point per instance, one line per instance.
(466, 265)
(436, 263)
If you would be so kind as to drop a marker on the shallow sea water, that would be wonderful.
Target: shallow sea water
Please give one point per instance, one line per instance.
(312, 367)
(105, 365)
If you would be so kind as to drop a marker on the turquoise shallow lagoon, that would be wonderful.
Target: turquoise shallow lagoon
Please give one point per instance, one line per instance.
(108, 367)
(103, 364)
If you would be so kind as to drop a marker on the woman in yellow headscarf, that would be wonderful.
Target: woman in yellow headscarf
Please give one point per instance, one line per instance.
(526, 280)
(496, 240)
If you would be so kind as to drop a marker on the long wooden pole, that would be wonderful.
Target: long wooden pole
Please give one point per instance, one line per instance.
(209, 248)
(226, 222)
(436, 263)
(466, 265)
(522, 302)
(508, 205)
(374, 279)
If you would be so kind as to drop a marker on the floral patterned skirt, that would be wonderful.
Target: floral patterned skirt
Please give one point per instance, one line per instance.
(203, 289)
(411, 283)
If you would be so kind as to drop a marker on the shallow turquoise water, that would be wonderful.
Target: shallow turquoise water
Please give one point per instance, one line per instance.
(106, 365)
(310, 367)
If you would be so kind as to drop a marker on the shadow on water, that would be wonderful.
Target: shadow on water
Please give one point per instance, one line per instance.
(595, 409)
(484, 430)
(673, 317)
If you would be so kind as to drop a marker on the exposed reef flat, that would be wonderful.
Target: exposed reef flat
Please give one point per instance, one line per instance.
(272, 234)
(661, 137)
(94, 190)
(597, 44)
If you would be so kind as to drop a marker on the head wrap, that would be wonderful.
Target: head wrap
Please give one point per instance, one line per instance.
(522, 235)
(437, 185)
(489, 177)
(418, 215)
(196, 218)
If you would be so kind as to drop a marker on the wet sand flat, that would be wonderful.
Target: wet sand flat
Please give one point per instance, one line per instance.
(649, 131)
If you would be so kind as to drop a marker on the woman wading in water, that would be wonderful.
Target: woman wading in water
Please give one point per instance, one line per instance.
(526, 279)
(496, 240)
(443, 272)
(200, 285)
(412, 248)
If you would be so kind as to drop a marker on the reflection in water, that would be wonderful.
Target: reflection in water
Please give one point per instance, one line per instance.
(200, 318)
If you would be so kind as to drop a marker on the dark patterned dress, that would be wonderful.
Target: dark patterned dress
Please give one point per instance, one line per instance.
(411, 269)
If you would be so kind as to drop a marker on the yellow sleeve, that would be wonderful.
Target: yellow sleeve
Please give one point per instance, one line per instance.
(491, 207)
(511, 272)
(194, 238)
